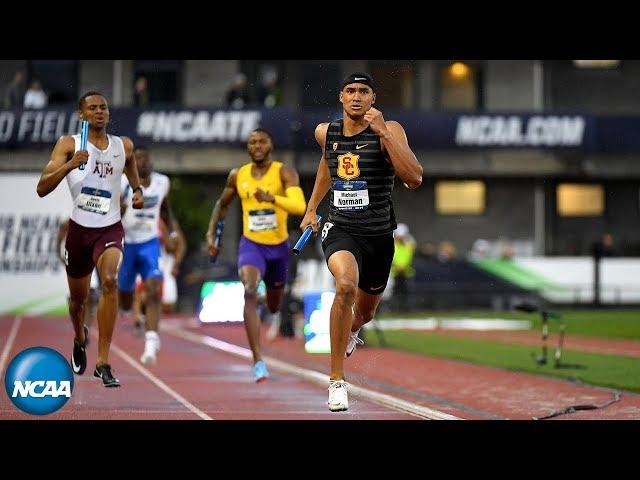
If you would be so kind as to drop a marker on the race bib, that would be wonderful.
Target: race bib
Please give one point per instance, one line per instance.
(260, 220)
(350, 195)
(145, 222)
(94, 200)
(145, 219)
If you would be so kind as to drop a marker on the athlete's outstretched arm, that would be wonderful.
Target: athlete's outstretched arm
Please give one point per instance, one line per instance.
(293, 199)
(396, 146)
(221, 207)
(124, 183)
(58, 166)
(131, 171)
(322, 184)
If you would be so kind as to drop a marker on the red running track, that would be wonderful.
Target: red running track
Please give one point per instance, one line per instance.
(203, 372)
(190, 382)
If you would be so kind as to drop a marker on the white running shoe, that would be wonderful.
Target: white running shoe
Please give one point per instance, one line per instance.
(151, 348)
(338, 400)
(354, 340)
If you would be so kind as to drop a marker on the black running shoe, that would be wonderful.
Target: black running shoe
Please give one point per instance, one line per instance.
(79, 354)
(104, 372)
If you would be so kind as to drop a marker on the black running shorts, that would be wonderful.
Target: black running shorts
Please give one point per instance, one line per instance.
(373, 254)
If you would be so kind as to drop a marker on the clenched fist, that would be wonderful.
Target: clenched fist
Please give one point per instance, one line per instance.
(374, 118)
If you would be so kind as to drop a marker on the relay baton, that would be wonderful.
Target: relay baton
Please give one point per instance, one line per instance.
(83, 139)
(304, 237)
(218, 241)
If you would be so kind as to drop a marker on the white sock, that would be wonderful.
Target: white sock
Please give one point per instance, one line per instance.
(151, 335)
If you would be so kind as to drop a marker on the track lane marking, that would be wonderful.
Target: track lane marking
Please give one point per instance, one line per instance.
(159, 383)
(313, 376)
(7, 346)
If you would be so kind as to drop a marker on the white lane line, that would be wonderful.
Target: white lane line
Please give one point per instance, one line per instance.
(160, 384)
(434, 323)
(316, 377)
(7, 346)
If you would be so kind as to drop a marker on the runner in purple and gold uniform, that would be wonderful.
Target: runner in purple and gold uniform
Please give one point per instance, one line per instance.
(269, 192)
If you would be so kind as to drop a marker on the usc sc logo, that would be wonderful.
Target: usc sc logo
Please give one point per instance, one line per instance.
(348, 166)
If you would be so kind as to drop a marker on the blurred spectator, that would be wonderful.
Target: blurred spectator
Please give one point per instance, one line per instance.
(480, 249)
(141, 92)
(608, 250)
(427, 250)
(35, 97)
(446, 251)
(14, 97)
(401, 265)
(506, 252)
(604, 247)
(237, 95)
(269, 92)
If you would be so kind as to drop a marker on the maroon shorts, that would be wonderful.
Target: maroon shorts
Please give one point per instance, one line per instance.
(84, 246)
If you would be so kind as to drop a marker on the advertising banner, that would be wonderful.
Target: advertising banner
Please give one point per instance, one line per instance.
(295, 128)
(32, 277)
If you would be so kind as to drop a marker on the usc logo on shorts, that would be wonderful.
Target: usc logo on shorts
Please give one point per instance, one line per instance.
(348, 166)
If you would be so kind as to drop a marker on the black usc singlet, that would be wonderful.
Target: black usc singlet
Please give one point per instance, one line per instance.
(361, 182)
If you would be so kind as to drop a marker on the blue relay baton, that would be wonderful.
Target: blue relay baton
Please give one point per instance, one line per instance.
(218, 240)
(84, 137)
(302, 241)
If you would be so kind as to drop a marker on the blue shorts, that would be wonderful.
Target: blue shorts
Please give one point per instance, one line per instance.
(139, 258)
(271, 260)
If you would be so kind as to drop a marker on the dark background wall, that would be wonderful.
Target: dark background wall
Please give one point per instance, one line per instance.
(608, 91)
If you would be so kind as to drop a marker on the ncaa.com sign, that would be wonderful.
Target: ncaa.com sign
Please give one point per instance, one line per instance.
(535, 131)
(39, 381)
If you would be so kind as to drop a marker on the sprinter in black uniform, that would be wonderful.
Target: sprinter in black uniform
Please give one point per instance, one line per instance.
(361, 154)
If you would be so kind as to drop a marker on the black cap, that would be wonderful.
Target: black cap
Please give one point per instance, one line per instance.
(358, 77)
